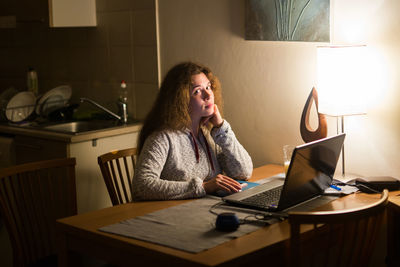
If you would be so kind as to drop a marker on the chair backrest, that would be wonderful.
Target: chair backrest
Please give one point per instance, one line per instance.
(117, 168)
(32, 197)
(335, 238)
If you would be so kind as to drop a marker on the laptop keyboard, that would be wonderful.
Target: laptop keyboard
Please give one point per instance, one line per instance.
(264, 199)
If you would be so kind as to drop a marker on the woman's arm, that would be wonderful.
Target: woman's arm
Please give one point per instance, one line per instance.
(233, 158)
(147, 183)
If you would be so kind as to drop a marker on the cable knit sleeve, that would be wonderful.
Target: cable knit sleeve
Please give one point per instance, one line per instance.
(233, 158)
(148, 182)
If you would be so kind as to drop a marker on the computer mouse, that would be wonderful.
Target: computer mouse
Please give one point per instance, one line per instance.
(227, 222)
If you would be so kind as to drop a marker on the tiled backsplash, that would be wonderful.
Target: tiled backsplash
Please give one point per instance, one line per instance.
(93, 61)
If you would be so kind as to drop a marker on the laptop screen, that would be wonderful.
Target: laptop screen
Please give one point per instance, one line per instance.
(311, 170)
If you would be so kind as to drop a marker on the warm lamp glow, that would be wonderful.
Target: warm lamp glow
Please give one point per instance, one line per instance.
(341, 80)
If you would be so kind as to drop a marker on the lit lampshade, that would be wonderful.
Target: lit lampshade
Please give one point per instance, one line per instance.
(341, 80)
(341, 84)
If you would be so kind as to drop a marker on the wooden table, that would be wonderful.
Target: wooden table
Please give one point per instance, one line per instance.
(79, 234)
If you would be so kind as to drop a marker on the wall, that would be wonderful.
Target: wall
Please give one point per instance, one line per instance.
(265, 84)
(92, 60)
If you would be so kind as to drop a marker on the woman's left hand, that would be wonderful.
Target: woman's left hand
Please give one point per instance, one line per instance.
(215, 119)
(222, 182)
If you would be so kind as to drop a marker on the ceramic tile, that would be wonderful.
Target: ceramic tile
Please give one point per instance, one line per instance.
(78, 37)
(7, 37)
(145, 97)
(58, 37)
(118, 5)
(145, 64)
(101, 5)
(121, 63)
(79, 63)
(99, 63)
(119, 28)
(103, 93)
(144, 27)
(144, 4)
(98, 36)
(59, 59)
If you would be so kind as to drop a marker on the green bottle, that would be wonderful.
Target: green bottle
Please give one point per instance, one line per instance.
(32, 81)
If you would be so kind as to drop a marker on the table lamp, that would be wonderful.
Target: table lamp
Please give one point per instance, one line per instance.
(341, 84)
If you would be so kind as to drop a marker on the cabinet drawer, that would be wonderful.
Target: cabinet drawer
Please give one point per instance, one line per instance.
(28, 149)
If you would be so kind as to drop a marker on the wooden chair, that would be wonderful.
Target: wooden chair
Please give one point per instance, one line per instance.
(117, 168)
(335, 238)
(32, 197)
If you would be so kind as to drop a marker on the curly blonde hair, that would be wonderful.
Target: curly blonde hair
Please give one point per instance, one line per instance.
(171, 108)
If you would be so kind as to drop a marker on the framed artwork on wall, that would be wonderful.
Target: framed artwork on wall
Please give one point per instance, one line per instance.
(288, 20)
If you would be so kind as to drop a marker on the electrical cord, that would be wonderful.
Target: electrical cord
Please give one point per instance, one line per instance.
(262, 217)
(358, 185)
(214, 206)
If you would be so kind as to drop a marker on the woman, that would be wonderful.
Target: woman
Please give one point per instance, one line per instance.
(186, 149)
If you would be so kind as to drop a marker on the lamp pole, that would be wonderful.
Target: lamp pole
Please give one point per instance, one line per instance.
(343, 168)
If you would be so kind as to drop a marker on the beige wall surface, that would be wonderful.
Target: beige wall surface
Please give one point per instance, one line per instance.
(265, 84)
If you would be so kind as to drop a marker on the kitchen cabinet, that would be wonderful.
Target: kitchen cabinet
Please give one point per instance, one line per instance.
(7, 151)
(35, 145)
(72, 13)
(29, 149)
(91, 191)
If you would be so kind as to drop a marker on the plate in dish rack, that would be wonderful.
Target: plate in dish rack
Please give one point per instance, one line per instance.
(53, 99)
(20, 106)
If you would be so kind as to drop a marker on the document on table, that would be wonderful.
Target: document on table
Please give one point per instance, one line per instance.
(340, 190)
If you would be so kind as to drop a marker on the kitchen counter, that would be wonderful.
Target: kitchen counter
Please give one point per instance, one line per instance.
(6, 128)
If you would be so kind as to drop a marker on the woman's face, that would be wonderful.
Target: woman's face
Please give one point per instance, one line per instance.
(201, 97)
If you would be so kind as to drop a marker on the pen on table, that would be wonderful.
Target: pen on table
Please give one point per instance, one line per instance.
(335, 187)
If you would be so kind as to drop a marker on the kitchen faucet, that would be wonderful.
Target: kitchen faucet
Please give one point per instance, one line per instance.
(83, 99)
(123, 109)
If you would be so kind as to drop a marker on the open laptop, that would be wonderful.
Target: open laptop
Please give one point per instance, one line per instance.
(310, 172)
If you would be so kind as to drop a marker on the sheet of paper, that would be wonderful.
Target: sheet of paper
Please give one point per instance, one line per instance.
(344, 190)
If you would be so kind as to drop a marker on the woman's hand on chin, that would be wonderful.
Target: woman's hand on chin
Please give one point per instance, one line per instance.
(215, 119)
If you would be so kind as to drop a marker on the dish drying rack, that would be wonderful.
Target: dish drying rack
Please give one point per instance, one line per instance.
(23, 112)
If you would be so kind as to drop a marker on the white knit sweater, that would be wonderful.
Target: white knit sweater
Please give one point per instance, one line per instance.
(167, 167)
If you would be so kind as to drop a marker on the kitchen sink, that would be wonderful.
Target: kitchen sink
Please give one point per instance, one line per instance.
(75, 127)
